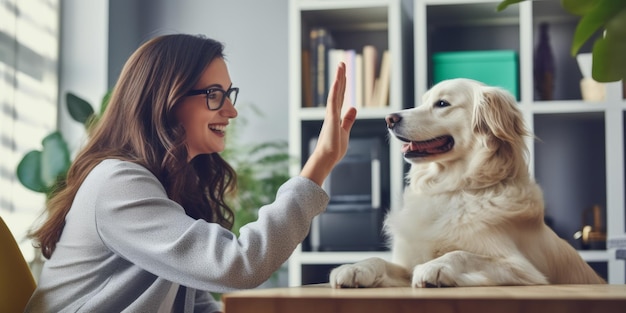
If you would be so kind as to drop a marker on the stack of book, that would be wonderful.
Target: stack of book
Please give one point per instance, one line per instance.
(367, 78)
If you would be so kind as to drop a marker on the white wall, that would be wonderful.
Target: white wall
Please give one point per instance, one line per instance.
(83, 60)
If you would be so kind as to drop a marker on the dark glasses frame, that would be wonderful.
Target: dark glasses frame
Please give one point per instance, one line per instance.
(208, 91)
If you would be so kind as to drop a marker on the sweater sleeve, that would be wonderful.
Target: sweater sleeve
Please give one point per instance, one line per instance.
(136, 220)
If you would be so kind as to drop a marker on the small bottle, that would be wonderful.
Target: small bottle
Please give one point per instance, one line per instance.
(544, 65)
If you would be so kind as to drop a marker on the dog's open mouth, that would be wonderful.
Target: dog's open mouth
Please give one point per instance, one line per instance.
(418, 149)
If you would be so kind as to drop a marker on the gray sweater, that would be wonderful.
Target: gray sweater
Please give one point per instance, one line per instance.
(126, 247)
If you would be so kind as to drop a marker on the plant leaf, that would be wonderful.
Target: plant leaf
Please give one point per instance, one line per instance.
(105, 101)
(29, 171)
(79, 109)
(579, 7)
(55, 159)
(594, 20)
(608, 63)
(506, 3)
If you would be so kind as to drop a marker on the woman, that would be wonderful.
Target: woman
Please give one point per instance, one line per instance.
(141, 224)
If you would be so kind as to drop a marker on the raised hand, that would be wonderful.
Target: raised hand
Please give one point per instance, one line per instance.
(332, 142)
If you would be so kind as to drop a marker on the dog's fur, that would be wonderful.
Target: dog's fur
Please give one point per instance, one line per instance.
(472, 214)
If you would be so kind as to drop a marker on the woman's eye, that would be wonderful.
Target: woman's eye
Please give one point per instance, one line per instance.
(441, 104)
(213, 94)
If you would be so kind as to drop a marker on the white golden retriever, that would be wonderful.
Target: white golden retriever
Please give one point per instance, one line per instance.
(472, 215)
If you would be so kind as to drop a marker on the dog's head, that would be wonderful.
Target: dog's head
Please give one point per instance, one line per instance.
(460, 119)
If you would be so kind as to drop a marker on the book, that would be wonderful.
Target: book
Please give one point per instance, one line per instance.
(321, 42)
(370, 55)
(307, 92)
(334, 57)
(381, 90)
(313, 34)
(349, 58)
(373, 103)
(358, 82)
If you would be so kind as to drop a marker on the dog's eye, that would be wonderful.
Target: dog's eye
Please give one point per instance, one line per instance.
(441, 104)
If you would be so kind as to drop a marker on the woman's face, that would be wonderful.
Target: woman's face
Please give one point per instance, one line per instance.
(206, 129)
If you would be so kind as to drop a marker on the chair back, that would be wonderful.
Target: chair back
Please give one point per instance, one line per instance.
(16, 280)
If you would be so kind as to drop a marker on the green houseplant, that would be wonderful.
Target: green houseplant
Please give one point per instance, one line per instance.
(40, 170)
(606, 16)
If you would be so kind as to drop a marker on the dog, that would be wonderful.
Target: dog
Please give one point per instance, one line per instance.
(472, 215)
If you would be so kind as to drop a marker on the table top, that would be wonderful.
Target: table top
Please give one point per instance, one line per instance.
(322, 298)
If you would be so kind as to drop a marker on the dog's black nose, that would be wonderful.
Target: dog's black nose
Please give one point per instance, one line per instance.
(392, 120)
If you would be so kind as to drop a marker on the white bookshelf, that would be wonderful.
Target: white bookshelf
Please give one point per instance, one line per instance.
(418, 37)
(390, 17)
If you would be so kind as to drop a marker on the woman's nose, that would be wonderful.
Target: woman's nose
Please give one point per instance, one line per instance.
(228, 109)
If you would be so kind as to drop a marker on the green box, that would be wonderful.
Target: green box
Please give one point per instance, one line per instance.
(492, 67)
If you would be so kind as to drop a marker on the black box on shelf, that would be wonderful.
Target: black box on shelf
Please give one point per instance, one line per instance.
(348, 230)
(353, 219)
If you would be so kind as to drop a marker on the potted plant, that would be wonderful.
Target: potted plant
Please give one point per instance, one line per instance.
(607, 16)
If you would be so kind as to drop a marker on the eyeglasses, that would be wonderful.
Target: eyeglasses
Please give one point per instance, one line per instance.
(215, 96)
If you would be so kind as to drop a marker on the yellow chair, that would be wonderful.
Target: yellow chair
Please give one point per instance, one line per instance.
(16, 281)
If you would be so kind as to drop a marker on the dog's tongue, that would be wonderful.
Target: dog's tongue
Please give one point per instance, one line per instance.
(426, 146)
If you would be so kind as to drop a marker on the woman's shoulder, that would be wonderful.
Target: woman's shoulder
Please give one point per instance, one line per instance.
(114, 175)
(109, 165)
(119, 169)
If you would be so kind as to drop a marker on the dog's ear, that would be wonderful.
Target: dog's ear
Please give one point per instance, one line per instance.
(496, 114)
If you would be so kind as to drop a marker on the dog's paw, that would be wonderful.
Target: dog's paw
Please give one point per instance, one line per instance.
(353, 276)
(433, 274)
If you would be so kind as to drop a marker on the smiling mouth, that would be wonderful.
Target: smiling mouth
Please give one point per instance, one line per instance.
(420, 149)
(218, 128)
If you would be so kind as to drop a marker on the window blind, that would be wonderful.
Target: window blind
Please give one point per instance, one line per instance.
(29, 53)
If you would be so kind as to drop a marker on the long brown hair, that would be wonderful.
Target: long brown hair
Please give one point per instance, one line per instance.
(139, 126)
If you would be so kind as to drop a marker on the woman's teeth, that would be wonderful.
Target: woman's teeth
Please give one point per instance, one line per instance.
(219, 128)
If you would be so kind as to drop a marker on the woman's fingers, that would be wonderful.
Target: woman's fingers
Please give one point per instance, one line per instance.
(348, 119)
(335, 132)
(337, 92)
(336, 99)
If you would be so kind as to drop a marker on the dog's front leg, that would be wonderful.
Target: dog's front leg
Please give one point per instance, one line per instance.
(462, 268)
(372, 272)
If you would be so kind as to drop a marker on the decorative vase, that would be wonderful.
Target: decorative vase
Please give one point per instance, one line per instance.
(544, 65)
(590, 89)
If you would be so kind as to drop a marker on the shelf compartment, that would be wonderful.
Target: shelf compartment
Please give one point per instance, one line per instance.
(362, 129)
(570, 166)
(561, 28)
(456, 27)
(345, 15)
(345, 27)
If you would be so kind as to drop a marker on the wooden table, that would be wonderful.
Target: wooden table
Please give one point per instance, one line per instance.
(514, 299)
